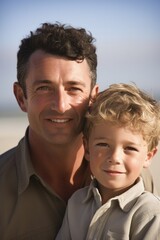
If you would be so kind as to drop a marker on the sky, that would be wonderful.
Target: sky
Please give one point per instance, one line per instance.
(127, 34)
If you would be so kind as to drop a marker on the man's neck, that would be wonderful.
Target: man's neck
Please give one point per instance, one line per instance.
(62, 168)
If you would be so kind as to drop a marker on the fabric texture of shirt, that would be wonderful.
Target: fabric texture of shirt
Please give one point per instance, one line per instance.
(133, 215)
(29, 210)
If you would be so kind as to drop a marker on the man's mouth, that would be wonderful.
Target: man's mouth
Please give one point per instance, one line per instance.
(59, 120)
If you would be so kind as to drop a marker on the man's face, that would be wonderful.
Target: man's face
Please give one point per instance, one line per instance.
(58, 92)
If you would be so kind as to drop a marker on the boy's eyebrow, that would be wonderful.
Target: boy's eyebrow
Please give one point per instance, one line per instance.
(102, 138)
(127, 141)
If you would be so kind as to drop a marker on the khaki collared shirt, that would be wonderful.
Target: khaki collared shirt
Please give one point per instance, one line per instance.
(29, 209)
(134, 214)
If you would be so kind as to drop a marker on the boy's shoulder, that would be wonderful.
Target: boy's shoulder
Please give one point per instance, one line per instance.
(86, 195)
(80, 194)
(147, 197)
(148, 204)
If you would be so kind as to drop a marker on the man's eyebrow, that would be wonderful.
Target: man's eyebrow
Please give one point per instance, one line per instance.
(76, 83)
(45, 81)
(71, 82)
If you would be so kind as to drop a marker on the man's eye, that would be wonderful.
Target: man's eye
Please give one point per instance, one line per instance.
(74, 89)
(43, 88)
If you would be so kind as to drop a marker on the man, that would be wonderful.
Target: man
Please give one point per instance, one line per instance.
(56, 71)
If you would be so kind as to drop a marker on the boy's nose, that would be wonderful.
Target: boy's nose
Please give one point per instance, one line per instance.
(116, 156)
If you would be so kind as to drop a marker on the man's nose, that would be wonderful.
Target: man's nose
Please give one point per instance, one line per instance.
(59, 103)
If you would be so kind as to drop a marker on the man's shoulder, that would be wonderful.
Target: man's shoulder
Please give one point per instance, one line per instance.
(7, 159)
(8, 177)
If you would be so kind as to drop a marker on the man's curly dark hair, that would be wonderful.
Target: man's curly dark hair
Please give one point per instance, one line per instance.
(61, 40)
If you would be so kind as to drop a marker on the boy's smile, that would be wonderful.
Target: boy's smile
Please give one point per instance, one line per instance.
(117, 156)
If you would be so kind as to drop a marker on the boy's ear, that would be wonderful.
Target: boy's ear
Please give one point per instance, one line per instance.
(150, 155)
(86, 149)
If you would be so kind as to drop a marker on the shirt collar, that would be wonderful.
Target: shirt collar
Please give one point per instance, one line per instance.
(25, 169)
(129, 198)
(93, 192)
(126, 200)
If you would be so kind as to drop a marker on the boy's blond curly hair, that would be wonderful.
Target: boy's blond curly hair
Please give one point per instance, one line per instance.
(127, 106)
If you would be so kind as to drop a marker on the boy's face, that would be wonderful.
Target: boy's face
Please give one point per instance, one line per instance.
(117, 156)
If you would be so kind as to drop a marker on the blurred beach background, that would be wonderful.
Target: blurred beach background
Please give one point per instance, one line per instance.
(127, 37)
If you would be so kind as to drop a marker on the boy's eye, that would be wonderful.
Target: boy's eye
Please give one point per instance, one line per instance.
(102, 144)
(131, 149)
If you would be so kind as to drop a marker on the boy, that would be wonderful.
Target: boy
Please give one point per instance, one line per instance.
(121, 137)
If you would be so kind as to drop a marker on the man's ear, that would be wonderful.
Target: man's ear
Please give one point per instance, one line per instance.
(94, 93)
(150, 155)
(86, 149)
(19, 94)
